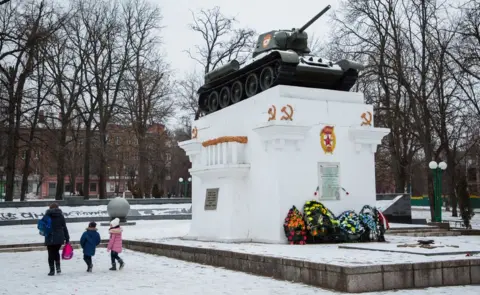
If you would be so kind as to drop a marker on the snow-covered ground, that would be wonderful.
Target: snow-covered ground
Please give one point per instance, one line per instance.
(23, 213)
(154, 275)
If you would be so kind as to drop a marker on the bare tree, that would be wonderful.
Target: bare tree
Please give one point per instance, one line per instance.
(106, 64)
(25, 29)
(364, 32)
(222, 42)
(43, 88)
(147, 84)
(186, 91)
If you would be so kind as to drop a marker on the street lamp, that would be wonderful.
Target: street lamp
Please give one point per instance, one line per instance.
(437, 170)
(185, 185)
(180, 180)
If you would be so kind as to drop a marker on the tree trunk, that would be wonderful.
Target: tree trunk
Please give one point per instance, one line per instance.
(86, 160)
(61, 163)
(477, 170)
(25, 174)
(12, 152)
(73, 180)
(103, 163)
(400, 180)
(142, 167)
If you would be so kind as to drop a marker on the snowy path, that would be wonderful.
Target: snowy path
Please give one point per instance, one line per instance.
(153, 275)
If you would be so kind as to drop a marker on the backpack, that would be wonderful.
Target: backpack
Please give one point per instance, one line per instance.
(44, 226)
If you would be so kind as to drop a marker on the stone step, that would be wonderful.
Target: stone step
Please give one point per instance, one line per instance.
(414, 230)
(426, 234)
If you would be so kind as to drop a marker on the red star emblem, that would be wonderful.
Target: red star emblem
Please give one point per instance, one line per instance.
(327, 140)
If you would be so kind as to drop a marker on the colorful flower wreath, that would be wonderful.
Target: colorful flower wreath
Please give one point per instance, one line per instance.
(375, 222)
(319, 219)
(350, 224)
(294, 227)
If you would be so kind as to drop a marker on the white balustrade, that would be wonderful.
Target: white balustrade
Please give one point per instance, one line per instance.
(224, 154)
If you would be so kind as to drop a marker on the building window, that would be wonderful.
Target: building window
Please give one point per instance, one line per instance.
(93, 187)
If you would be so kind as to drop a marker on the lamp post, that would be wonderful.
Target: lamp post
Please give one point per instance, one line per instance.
(185, 185)
(437, 170)
(2, 184)
(180, 181)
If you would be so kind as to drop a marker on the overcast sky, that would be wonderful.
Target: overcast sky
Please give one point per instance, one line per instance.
(259, 15)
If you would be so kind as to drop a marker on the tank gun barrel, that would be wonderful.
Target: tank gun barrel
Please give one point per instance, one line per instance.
(310, 22)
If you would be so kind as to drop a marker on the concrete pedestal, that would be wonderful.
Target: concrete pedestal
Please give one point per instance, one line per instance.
(252, 161)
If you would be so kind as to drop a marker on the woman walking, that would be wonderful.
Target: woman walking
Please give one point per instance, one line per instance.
(54, 240)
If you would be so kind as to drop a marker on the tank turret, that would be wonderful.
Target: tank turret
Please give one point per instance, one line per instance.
(294, 39)
(281, 57)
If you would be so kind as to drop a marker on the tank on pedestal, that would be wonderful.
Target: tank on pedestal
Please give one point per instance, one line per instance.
(118, 208)
(281, 57)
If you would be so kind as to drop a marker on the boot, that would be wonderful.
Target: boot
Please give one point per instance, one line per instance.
(89, 269)
(57, 266)
(122, 264)
(114, 267)
(52, 271)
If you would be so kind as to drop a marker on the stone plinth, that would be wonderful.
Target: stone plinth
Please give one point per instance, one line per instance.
(255, 159)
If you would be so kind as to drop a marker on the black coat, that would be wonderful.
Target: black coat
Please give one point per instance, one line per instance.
(59, 232)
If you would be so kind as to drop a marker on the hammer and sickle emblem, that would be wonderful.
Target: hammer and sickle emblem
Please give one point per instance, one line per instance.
(367, 119)
(272, 112)
(194, 133)
(288, 114)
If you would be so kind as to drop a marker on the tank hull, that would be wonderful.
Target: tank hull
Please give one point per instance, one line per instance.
(288, 69)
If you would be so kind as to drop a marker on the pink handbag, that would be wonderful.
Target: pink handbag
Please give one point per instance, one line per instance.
(67, 252)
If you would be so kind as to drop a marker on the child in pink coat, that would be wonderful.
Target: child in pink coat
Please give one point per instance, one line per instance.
(115, 243)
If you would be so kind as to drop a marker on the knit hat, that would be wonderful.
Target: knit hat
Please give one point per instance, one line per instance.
(115, 222)
(92, 224)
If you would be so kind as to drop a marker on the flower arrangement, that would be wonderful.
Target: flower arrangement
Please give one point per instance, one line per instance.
(350, 224)
(319, 224)
(318, 218)
(294, 227)
(224, 139)
(374, 222)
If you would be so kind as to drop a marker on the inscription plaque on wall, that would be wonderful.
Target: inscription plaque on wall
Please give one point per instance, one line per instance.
(329, 181)
(211, 199)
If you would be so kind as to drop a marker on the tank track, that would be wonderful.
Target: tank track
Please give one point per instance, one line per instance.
(287, 74)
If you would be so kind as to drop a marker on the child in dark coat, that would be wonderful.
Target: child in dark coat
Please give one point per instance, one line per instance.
(89, 242)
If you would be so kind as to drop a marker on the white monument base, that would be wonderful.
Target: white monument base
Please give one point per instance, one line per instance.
(258, 158)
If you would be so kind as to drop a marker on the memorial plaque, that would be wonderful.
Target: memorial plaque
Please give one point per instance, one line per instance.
(329, 181)
(211, 199)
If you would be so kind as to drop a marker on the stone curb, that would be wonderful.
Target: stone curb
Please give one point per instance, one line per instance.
(99, 219)
(408, 252)
(351, 279)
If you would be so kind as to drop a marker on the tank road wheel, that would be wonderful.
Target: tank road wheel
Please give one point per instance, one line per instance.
(213, 102)
(237, 91)
(267, 78)
(251, 85)
(225, 97)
